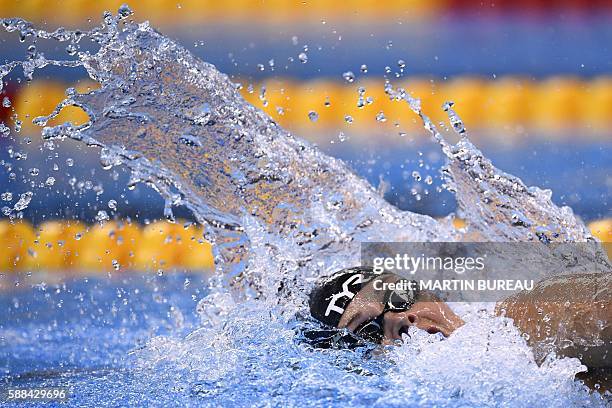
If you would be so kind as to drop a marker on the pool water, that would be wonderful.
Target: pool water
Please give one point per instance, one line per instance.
(79, 333)
(138, 340)
(279, 214)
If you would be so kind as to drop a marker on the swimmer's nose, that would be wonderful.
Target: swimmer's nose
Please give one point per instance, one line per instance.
(397, 324)
(412, 320)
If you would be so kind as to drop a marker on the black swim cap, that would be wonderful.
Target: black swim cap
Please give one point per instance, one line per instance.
(330, 298)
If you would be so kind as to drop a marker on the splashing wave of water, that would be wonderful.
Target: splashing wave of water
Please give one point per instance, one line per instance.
(281, 213)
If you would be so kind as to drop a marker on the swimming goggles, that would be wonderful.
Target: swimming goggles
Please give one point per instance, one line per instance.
(397, 300)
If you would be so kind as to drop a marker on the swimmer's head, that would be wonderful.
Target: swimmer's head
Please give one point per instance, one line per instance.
(330, 298)
(377, 308)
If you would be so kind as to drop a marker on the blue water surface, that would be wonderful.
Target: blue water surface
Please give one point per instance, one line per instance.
(79, 333)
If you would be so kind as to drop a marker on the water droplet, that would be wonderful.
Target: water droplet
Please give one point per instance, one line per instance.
(348, 119)
(303, 57)
(313, 116)
(401, 64)
(6, 196)
(71, 49)
(102, 216)
(190, 140)
(261, 67)
(364, 68)
(125, 10)
(34, 171)
(112, 204)
(5, 131)
(168, 213)
(360, 99)
(348, 76)
(294, 40)
(69, 162)
(380, 117)
(453, 118)
(416, 175)
(24, 201)
(341, 136)
(262, 96)
(50, 181)
(6, 102)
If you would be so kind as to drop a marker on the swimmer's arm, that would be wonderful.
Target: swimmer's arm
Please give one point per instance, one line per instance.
(570, 315)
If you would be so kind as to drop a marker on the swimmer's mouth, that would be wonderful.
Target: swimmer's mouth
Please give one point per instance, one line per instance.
(434, 330)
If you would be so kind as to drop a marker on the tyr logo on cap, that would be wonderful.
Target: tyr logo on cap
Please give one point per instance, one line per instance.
(346, 295)
(331, 296)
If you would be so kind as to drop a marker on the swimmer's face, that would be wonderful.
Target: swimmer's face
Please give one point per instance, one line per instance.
(428, 313)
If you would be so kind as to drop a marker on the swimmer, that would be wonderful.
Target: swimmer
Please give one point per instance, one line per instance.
(359, 307)
(351, 299)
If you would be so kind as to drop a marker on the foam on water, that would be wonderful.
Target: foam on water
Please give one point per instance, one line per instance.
(281, 213)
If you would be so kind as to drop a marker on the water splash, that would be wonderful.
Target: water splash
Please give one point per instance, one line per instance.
(226, 161)
(252, 182)
(509, 374)
(496, 206)
(280, 213)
